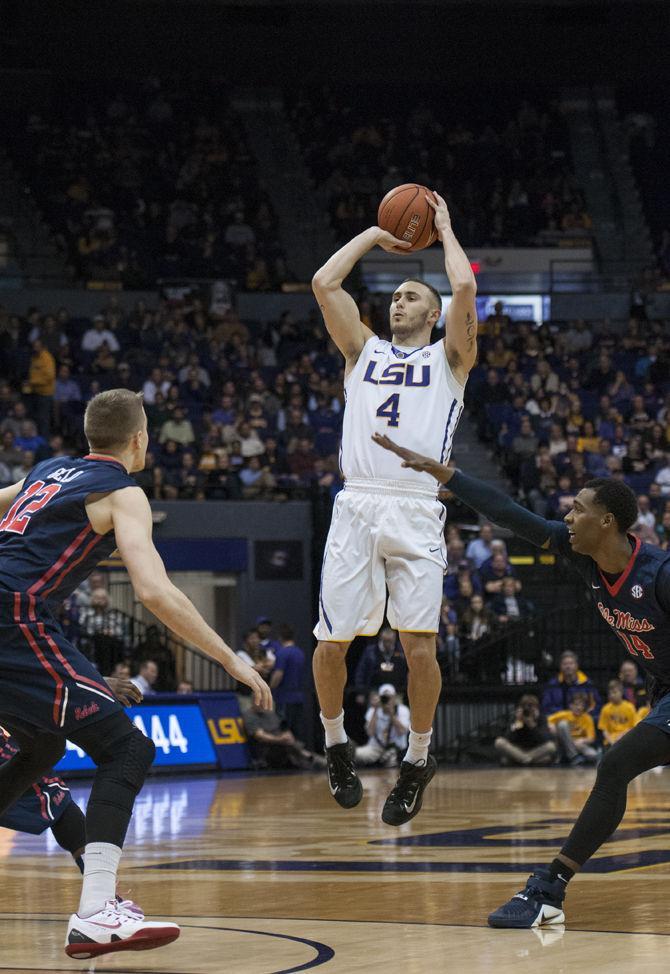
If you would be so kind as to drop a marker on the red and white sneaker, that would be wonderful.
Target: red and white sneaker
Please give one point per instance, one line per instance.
(112, 929)
(127, 906)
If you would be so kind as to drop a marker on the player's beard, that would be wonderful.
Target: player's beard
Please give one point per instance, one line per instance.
(408, 329)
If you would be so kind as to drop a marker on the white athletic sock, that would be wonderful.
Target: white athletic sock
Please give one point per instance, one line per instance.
(334, 728)
(101, 864)
(417, 752)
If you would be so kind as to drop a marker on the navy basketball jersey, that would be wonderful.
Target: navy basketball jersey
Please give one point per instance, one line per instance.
(47, 544)
(629, 602)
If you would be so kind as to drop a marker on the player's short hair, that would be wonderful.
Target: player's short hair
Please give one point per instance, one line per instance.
(112, 417)
(436, 294)
(616, 498)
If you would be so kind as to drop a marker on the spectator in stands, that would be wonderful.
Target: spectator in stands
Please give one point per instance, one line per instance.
(380, 662)
(178, 429)
(477, 620)
(121, 670)
(146, 677)
(41, 385)
(97, 336)
(275, 746)
(575, 732)
(100, 617)
(185, 687)
(508, 605)
(387, 725)
(254, 654)
(493, 572)
(263, 626)
(479, 549)
(662, 477)
(618, 716)
(528, 741)
(633, 687)
(287, 682)
(67, 400)
(570, 680)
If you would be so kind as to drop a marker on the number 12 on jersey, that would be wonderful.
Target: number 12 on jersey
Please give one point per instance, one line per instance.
(390, 410)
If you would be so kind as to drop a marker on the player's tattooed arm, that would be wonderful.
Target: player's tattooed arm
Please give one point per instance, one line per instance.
(460, 339)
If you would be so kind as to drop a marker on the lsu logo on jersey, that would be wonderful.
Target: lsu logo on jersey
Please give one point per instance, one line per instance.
(398, 374)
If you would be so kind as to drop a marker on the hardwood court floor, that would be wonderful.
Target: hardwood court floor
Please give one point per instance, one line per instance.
(268, 876)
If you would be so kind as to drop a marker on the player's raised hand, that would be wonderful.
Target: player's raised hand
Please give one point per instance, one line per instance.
(244, 673)
(441, 218)
(414, 460)
(391, 244)
(125, 691)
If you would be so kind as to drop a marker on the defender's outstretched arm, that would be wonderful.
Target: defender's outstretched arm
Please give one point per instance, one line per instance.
(480, 496)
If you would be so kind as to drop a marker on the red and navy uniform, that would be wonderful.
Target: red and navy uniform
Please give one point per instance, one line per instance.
(636, 605)
(47, 548)
(42, 804)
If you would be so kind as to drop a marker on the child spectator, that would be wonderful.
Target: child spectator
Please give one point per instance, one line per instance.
(617, 716)
(575, 732)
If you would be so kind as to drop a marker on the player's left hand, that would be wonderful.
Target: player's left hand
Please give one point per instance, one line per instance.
(124, 690)
(441, 218)
(414, 460)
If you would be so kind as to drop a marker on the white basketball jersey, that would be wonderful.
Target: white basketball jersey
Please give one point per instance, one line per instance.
(412, 396)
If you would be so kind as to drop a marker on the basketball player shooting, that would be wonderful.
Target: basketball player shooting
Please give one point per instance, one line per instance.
(630, 585)
(66, 516)
(387, 529)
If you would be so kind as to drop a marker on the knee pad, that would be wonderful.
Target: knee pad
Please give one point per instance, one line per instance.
(138, 756)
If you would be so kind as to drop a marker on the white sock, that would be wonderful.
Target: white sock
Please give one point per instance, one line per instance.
(101, 864)
(334, 728)
(417, 752)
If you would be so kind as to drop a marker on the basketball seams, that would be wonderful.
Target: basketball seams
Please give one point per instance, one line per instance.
(427, 233)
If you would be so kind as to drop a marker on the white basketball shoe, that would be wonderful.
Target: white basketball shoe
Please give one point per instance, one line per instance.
(113, 928)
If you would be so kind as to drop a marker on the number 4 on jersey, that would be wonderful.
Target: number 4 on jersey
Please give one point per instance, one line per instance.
(390, 410)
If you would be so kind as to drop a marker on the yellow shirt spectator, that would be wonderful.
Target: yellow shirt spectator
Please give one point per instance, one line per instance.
(642, 713)
(42, 373)
(581, 725)
(616, 719)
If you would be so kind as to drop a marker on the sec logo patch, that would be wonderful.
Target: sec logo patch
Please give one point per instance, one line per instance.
(637, 591)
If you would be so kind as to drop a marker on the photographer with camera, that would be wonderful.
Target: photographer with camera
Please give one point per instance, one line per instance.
(387, 725)
(528, 740)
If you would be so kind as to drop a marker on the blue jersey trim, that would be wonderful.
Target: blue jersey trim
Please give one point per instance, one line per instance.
(399, 352)
(446, 429)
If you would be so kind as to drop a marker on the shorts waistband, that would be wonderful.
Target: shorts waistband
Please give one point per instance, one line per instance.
(399, 488)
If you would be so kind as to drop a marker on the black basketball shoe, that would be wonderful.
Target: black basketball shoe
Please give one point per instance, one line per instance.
(406, 798)
(344, 784)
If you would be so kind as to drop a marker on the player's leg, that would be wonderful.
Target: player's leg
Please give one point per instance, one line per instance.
(352, 599)
(414, 549)
(39, 752)
(642, 748)
(423, 690)
(69, 831)
(123, 756)
(418, 766)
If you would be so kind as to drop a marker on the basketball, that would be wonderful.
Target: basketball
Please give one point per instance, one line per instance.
(406, 214)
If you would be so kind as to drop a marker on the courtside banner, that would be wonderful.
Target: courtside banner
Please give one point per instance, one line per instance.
(178, 731)
(224, 722)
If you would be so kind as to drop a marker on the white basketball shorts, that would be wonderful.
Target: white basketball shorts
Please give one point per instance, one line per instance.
(383, 534)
